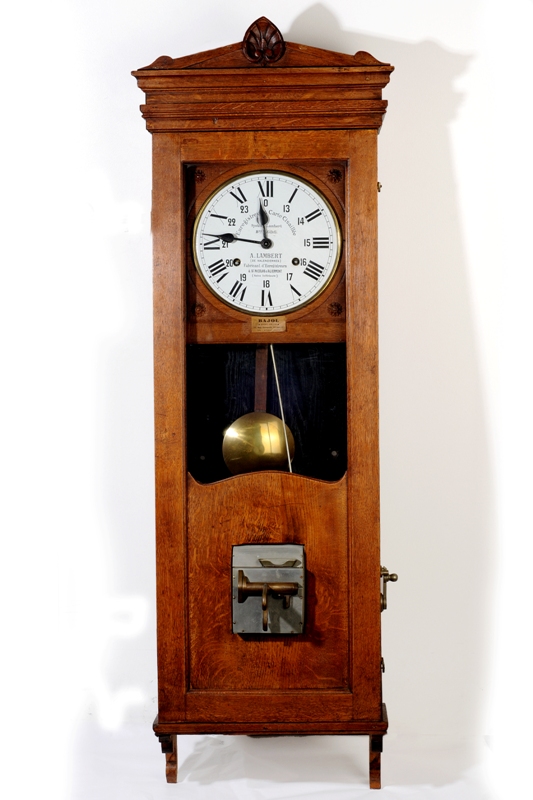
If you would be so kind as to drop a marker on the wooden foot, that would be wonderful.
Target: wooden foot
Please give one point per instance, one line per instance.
(169, 746)
(375, 750)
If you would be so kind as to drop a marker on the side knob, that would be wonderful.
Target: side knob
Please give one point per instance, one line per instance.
(386, 576)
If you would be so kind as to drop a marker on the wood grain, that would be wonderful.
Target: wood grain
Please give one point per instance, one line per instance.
(363, 413)
(375, 747)
(296, 55)
(169, 390)
(335, 727)
(171, 758)
(307, 88)
(262, 508)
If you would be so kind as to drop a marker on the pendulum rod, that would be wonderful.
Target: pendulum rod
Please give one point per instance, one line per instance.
(281, 407)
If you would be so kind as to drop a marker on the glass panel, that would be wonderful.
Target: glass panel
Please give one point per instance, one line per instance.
(221, 388)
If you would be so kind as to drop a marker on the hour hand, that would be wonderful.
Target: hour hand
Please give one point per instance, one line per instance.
(229, 237)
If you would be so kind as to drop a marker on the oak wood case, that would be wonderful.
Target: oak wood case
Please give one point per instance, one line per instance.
(316, 114)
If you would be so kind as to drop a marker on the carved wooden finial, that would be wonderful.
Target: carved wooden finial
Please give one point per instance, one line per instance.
(263, 43)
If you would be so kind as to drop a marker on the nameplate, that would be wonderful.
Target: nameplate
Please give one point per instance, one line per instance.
(268, 324)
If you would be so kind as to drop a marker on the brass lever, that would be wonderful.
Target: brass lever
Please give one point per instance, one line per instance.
(264, 606)
(277, 589)
(386, 576)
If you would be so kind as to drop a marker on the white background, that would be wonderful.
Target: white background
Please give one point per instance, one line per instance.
(77, 568)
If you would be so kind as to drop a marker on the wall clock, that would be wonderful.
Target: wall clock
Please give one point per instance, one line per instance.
(269, 584)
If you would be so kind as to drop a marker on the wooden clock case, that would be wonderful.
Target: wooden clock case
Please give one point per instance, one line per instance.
(265, 103)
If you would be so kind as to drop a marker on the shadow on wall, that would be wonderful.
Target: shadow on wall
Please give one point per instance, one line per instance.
(437, 515)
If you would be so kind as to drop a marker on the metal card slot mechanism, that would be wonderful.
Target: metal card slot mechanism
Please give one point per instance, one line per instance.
(268, 588)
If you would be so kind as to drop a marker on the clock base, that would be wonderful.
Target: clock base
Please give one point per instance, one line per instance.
(167, 733)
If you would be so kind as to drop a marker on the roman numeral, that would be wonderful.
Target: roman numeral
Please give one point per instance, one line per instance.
(321, 242)
(314, 270)
(236, 288)
(313, 215)
(291, 198)
(242, 198)
(269, 190)
(266, 296)
(217, 268)
(208, 245)
(295, 290)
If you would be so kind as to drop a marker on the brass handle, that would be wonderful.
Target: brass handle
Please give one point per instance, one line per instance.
(278, 589)
(264, 606)
(386, 576)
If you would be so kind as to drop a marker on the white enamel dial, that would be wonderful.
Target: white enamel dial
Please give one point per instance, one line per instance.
(266, 242)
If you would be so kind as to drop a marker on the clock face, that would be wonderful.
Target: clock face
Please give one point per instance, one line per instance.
(266, 242)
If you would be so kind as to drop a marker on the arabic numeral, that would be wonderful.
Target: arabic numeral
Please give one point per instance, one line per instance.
(286, 207)
(289, 276)
(242, 277)
(301, 220)
(266, 284)
(231, 221)
(303, 262)
(244, 209)
(307, 242)
(224, 244)
(229, 262)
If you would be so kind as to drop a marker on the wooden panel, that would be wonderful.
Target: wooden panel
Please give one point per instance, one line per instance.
(229, 332)
(198, 89)
(276, 728)
(162, 119)
(267, 507)
(208, 322)
(169, 389)
(293, 146)
(255, 107)
(246, 707)
(363, 443)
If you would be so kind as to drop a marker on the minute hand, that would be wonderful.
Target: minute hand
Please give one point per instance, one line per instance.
(229, 237)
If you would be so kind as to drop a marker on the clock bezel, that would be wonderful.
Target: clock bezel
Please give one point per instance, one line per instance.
(296, 172)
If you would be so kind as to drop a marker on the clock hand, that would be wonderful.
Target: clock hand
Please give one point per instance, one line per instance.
(229, 237)
(263, 218)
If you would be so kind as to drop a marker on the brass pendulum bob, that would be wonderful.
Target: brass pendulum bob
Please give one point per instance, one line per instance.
(258, 441)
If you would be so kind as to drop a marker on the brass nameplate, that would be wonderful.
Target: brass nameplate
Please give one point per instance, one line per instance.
(268, 324)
